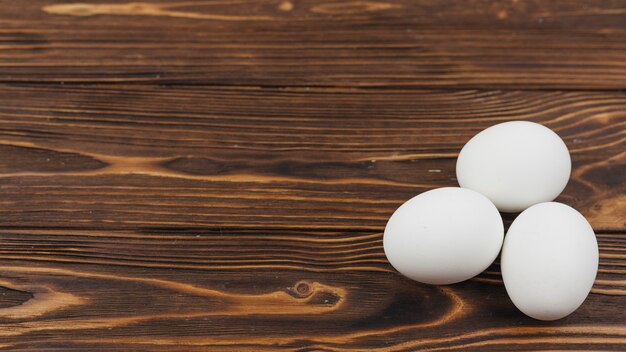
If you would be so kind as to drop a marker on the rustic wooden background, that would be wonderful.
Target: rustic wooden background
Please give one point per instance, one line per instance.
(216, 175)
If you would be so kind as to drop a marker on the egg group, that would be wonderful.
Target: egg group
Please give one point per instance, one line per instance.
(549, 256)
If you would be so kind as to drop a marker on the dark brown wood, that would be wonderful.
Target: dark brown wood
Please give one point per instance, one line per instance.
(160, 218)
(143, 156)
(184, 305)
(456, 43)
(216, 175)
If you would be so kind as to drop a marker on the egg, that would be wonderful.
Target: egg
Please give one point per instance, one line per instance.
(549, 260)
(443, 236)
(515, 164)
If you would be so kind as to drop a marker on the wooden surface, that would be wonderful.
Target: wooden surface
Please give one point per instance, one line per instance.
(216, 175)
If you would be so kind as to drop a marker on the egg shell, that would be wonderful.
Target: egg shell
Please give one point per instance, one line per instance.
(443, 236)
(549, 260)
(515, 164)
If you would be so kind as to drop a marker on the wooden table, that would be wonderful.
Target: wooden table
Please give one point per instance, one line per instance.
(216, 175)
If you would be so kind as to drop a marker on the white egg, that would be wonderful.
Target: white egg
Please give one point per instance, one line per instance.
(549, 260)
(443, 236)
(515, 164)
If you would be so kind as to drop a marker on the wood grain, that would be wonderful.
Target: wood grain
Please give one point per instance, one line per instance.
(216, 175)
(194, 218)
(183, 290)
(383, 43)
(274, 158)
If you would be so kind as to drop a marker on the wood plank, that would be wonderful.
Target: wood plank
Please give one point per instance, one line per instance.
(254, 290)
(103, 157)
(216, 175)
(383, 43)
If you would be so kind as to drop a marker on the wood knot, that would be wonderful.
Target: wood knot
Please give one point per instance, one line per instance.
(302, 289)
(317, 294)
